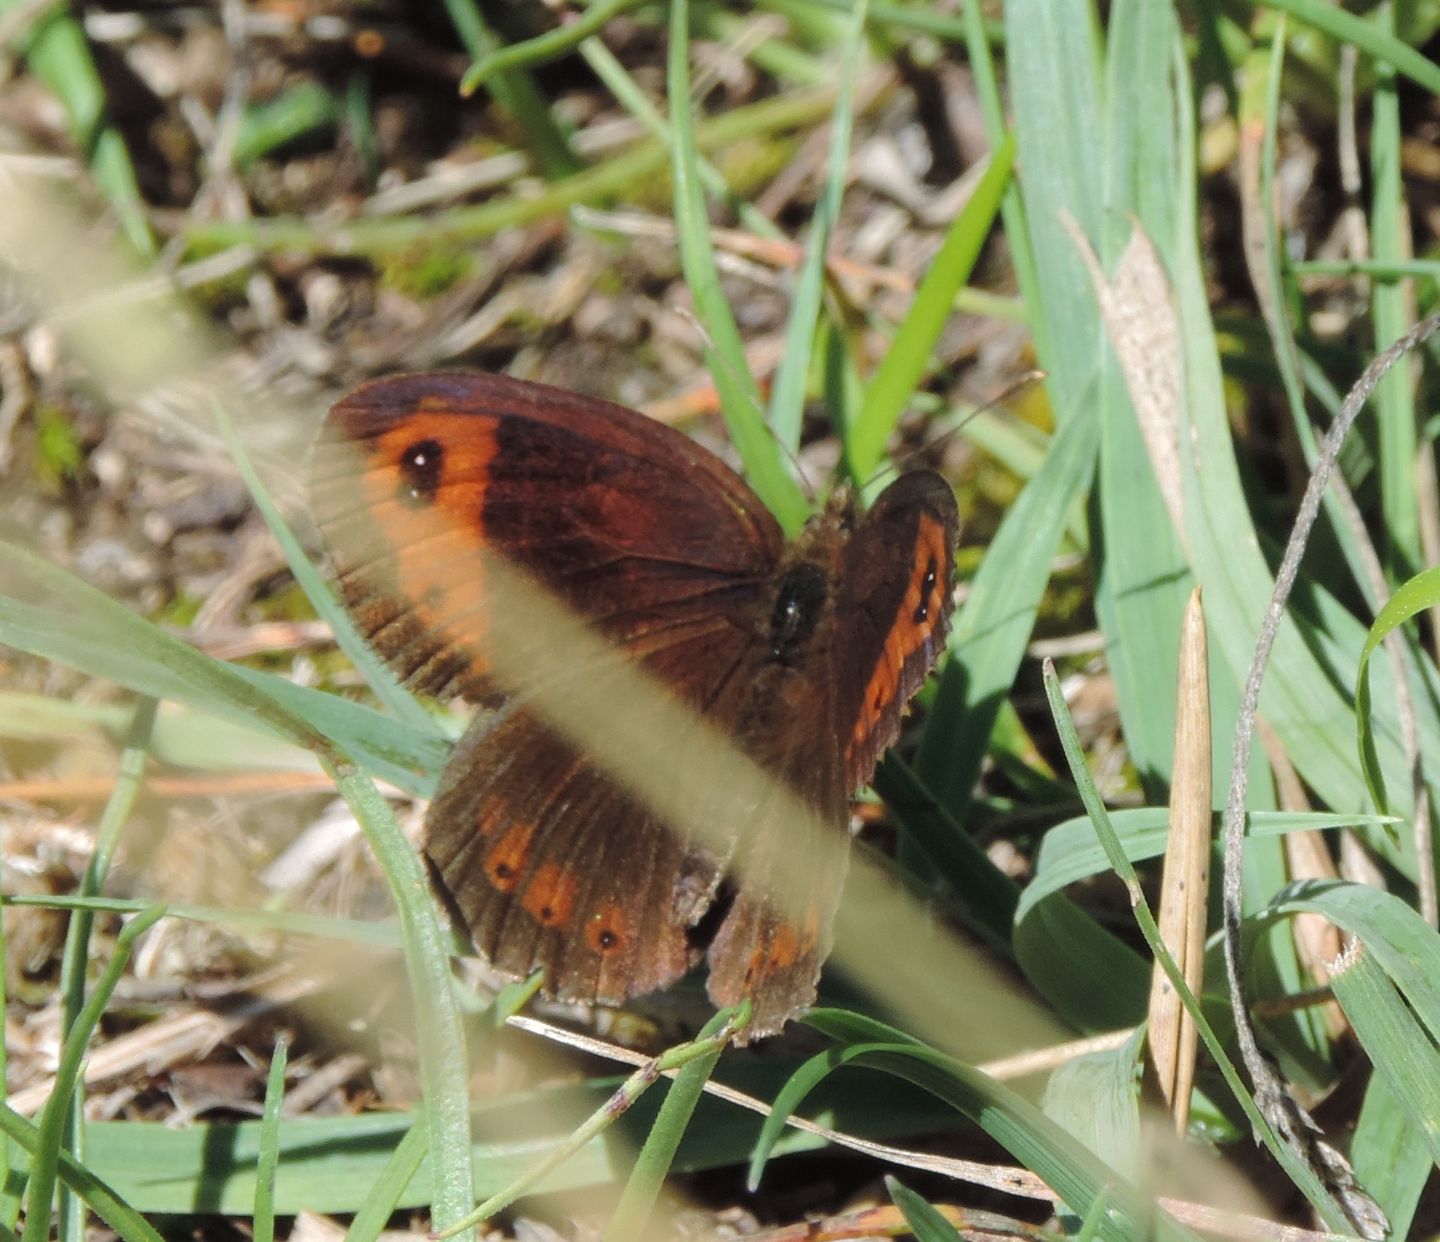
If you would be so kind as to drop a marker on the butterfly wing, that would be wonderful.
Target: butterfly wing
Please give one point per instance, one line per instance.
(893, 584)
(897, 591)
(552, 866)
(644, 534)
(791, 863)
(637, 528)
(667, 553)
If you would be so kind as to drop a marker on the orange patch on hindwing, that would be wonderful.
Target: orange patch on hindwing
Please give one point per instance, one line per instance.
(785, 946)
(506, 858)
(549, 897)
(605, 930)
(779, 951)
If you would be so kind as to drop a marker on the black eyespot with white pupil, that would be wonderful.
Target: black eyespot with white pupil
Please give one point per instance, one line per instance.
(421, 467)
(927, 590)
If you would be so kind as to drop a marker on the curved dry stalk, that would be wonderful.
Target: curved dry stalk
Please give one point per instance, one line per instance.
(1284, 1113)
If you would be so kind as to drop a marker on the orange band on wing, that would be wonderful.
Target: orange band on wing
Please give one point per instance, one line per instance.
(432, 540)
(914, 622)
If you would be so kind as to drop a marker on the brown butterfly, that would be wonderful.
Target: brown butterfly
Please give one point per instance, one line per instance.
(806, 653)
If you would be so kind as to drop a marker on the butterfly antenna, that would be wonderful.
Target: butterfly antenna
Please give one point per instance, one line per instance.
(1003, 398)
(809, 488)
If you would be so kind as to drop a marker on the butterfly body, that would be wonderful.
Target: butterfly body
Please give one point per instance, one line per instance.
(805, 653)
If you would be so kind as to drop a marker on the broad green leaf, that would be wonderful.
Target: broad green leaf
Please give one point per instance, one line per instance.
(1398, 1046)
(1096, 1097)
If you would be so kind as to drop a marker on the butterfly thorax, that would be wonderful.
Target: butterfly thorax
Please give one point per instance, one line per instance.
(804, 586)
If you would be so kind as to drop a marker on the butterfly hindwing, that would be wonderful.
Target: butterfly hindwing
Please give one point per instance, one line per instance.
(890, 585)
(791, 862)
(553, 866)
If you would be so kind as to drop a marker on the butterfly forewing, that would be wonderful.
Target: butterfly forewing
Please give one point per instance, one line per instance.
(639, 530)
(897, 588)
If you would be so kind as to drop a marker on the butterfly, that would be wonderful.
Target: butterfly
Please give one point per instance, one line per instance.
(806, 653)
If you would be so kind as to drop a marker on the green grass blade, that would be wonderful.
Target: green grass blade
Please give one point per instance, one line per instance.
(724, 351)
(1142, 580)
(1096, 1098)
(84, 628)
(1395, 1042)
(76, 954)
(544, 47)
(653, 1163)
(440, 1037)
(513, 90)
(1093, 979)
(377, 676)
(306, 110)
(263, 1219)
(356, 931)
(993, 107)
(1077, 1176)
(1367, 36)
(1054, 71)
(787, 395)
(925, 1221)
(57, 50)
(1391, 1157)
(101, 1198)
(1071, 851)
(384, 1198)
(1417, 595)
(908, 357)
(46, 1155)
(1390, 305)
(1406, 948)
(180, 737)
(1389, 270)
(351, 930)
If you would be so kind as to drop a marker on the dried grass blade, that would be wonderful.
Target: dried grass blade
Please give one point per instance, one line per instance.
(1185, 883)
